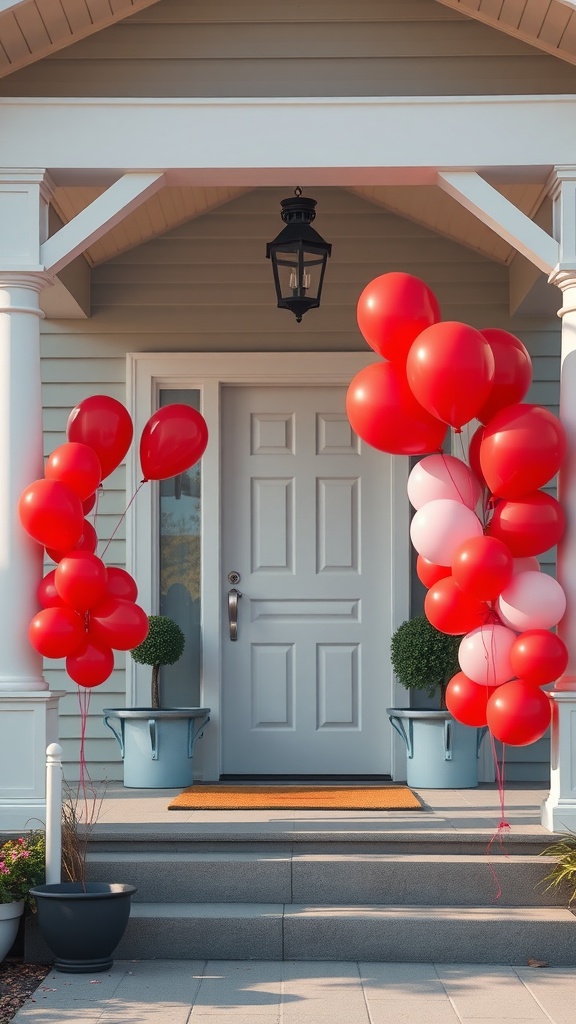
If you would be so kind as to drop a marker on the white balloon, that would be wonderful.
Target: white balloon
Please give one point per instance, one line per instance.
(532, 600)
(443, 476)
(441, 526)
(484, 654)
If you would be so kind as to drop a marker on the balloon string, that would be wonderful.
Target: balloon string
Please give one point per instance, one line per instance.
(122, 517)
(84, 703)
(503, 827)
(454, 481)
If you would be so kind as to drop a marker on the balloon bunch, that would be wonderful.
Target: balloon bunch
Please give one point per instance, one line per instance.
(477, 528)
(89, 610)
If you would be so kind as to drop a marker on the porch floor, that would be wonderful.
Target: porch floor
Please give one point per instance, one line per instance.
(446, 813)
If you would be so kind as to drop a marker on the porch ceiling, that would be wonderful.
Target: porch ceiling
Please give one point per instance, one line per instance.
(427, 205)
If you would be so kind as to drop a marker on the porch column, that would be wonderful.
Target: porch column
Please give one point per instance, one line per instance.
(28, 711)
(559, 809)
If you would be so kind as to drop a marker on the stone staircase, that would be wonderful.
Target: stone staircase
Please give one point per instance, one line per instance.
(413, 897)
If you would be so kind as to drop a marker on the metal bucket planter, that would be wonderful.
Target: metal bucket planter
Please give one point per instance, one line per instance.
(442, 753)
(83, 925)
(157, 746)
(10, 914)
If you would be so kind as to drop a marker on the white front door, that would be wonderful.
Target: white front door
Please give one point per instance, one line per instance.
(306, 525)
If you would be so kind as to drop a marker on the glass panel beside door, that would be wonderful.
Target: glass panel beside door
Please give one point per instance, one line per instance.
(179, 522)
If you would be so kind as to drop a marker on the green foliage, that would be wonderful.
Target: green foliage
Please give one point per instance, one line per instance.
(564, 871)
(22, 865)
(164, 644)
(423, 658)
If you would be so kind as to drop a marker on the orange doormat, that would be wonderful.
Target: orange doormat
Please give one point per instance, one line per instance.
(206, 797)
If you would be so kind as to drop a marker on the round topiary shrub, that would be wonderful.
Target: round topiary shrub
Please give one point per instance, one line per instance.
(423, 658)
(164, 645)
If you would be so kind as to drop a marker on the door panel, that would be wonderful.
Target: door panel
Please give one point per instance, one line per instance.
(306, 525)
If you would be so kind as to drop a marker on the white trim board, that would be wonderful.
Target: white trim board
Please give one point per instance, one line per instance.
(146, 374)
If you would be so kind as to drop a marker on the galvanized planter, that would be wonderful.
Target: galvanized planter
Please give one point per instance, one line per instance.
(157, 745)
(442, 753)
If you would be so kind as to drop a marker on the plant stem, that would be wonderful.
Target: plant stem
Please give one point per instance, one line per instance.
(155, 687)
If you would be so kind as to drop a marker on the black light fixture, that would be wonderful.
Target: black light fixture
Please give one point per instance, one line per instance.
(299, 256)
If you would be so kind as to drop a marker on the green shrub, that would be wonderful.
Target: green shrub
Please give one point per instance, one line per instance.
(423, 658)
(164, 645)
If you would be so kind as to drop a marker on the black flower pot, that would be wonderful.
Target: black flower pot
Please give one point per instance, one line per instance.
(82, 925)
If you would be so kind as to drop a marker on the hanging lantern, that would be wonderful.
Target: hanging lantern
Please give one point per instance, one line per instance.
(299, 256)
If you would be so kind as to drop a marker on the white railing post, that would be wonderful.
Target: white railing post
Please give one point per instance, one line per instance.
(53, 813)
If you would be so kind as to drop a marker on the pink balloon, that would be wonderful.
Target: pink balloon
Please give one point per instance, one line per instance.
(450, 369)
(440, 526)
(532, 600)
(442, 476)
(484, 654)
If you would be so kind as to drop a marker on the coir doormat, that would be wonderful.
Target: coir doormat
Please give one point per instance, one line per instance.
(206, 797)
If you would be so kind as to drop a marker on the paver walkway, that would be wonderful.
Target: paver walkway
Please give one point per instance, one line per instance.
(255, 992)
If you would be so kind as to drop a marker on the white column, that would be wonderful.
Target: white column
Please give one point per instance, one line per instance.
(21, 462)
(28, 711)
(559, 809)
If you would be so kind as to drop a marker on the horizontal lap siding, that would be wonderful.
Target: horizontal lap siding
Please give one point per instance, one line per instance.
(163, 296)
(271, 48)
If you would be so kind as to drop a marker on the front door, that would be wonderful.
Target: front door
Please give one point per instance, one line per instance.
(306, 526)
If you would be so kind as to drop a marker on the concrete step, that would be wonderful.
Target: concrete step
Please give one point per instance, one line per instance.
(442, 934)
(329, 878)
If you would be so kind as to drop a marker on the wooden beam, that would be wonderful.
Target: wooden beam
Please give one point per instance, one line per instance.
(499, 214)
(100, 216)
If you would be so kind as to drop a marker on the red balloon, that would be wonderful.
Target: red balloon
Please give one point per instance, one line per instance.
(482, 567)
(105, 426)
(384, 413)
(429, 573)
(88, 542)
(47, 594)
(174, 438)
(89, 503)
(467, 700)
(121, 584)
(512, 372)
(91, 665)
(539, 656)
(518, 713)
(474, 454)
(452, 611)
(450, 369)
(76, 465)
(392, 311)
(57, 632)
(81, 580)
(529, 525)
(117, 623)
(522, 448)
(51, 513)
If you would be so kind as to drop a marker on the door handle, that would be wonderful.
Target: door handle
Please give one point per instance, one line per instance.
(233, 596)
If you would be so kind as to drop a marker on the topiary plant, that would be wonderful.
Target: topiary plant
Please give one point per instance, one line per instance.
(423, 658)
(164, 645)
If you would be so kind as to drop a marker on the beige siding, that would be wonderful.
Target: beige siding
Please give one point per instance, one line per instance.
(207, 286)
(269, 47)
